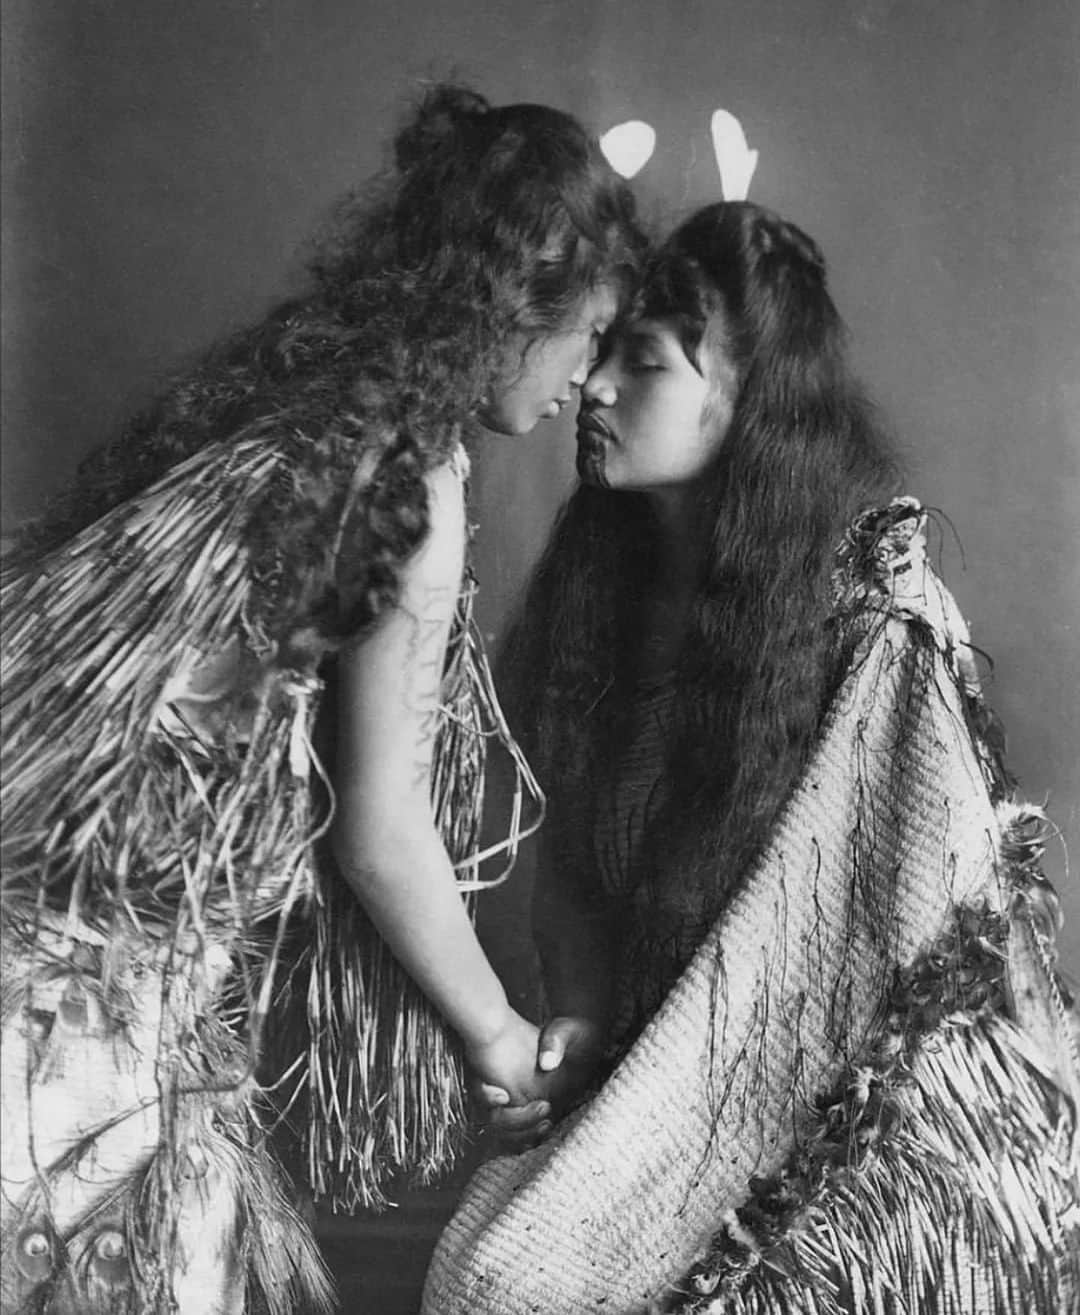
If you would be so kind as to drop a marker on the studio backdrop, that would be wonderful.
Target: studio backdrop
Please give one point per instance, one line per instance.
(164, 163)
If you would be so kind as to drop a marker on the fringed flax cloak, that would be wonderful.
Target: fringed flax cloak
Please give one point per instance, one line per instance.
(861, 1095)
(163, 907)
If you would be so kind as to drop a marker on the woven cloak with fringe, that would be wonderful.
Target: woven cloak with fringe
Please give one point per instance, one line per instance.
(861, 1094)
(164, 906)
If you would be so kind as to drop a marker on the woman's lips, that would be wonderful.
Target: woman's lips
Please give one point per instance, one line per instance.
(592, 435)
(591, 427)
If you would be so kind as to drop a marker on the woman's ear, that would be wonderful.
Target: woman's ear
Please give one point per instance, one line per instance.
(722, 375)
(718, 361)
(719, 408)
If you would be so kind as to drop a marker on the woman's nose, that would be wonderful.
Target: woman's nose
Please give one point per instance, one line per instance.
(581, 372)
(599, 387)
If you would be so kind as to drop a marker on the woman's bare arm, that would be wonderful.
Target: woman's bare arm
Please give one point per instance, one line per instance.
(385, 837)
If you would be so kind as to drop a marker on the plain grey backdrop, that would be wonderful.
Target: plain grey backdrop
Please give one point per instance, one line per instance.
(164, 162)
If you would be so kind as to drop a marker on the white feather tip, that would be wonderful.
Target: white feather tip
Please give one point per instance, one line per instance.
(734, 158)
(628, 146)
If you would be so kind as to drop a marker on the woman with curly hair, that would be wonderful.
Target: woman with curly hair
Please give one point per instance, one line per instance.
(795, 940)
(246, 712)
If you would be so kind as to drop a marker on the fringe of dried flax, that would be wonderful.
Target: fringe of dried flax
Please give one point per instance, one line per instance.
(124, 824)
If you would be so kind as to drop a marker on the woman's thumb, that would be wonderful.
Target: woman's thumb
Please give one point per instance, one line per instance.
(552, 1047)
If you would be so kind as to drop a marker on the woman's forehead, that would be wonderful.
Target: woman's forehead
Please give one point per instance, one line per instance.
(601, 304)
(651, 331)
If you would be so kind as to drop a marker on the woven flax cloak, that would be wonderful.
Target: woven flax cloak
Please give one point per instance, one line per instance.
(163, 905)
(861, 1095)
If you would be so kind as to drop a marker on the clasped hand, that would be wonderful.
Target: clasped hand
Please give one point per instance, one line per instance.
(521, 1109)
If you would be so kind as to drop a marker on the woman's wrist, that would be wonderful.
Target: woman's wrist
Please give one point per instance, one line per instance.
(487, 1025)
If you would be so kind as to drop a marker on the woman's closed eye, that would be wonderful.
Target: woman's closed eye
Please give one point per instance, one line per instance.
(600, 345)
(644, 351)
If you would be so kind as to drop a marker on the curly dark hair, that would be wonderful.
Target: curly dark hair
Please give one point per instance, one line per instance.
(492, 223)
(803, 454)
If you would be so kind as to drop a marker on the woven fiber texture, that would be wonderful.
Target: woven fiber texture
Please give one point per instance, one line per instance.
(889, 837)
(129, 1131)
(164, 896)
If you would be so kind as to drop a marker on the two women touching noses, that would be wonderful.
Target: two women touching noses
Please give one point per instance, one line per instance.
(784, 885)
(724, 445)
(669, 676)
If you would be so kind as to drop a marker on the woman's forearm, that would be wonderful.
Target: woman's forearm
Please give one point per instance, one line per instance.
(401, 874)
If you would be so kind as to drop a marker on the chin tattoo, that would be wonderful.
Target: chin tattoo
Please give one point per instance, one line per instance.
(591, 460)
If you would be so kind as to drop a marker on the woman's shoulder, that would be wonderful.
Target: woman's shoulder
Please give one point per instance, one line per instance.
(440, 558)
(447, 480)
(883, 567)
(883, 540)
(882, 557)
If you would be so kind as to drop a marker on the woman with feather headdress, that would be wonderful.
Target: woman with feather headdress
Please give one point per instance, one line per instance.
(245, 716)
(798, 951)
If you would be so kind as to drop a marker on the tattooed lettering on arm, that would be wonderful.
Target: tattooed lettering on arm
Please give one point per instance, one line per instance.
(423, 675)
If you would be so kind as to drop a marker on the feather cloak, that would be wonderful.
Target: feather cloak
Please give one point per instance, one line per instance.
(861, 1095)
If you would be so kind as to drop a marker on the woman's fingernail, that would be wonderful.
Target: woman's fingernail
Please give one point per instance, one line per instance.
(499, 1098)
(549, 1059)
(543, 1109)
(544, 1128)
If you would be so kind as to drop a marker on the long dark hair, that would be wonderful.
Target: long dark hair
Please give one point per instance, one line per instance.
(491, 223)
(803, 454)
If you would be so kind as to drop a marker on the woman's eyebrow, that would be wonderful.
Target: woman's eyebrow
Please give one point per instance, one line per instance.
(639, 335)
